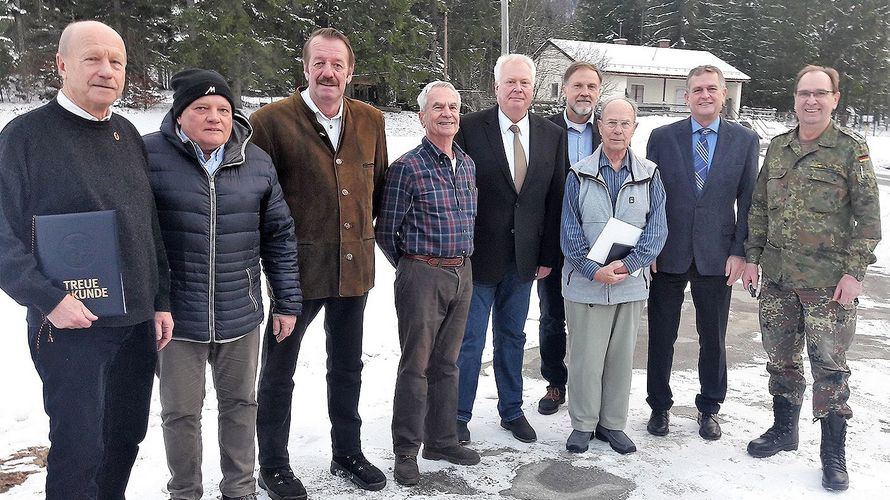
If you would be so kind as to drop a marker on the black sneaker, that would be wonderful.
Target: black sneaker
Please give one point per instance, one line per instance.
(281, 484)
(521, 429)
(357, 469)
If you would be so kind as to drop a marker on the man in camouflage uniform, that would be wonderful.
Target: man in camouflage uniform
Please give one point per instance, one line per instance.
(812, 228)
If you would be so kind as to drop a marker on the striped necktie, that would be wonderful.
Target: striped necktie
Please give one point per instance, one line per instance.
(700, 160)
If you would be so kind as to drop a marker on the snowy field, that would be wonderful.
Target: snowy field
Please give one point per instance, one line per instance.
(681, 465)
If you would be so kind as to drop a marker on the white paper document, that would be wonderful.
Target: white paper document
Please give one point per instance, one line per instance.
(616, 232)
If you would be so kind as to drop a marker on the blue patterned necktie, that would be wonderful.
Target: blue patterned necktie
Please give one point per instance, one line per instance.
(700, 162)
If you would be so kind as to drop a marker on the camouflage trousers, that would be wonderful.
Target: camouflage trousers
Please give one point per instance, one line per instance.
(788, 318)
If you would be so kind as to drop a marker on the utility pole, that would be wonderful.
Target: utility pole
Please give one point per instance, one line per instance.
(505, 27)
(445, 52)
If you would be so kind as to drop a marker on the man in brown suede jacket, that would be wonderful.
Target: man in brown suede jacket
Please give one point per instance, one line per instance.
(330, 154)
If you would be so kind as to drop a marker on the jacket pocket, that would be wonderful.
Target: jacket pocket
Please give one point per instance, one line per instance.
(253, 300)
(776, 188)
(828, 187)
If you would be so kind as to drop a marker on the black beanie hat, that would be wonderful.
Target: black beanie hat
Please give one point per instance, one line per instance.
(191, 84)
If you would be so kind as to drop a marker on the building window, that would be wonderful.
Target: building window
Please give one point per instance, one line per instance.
(636, 93)
(554, 90)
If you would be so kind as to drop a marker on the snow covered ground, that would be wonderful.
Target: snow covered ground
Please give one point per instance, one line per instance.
(680, 465)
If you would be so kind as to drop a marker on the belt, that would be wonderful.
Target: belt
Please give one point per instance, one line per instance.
(437, 261)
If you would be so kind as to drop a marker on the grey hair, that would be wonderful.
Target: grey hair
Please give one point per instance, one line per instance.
(706, 68)
(632, 103)
(504, 59)
(421, 98)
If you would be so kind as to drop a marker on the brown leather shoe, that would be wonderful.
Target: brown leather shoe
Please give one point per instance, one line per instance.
(549, 404)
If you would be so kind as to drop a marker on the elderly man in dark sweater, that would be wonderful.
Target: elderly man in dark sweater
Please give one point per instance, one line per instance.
(73, 155)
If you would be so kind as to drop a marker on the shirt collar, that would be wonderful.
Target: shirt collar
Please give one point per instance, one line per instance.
(215, 155)
(828, 138)
(458, 152)
(625, 163)
(435, 149)
(505, 123)
(714, 126)
(311, 104)
(580, 127)
(69, 105)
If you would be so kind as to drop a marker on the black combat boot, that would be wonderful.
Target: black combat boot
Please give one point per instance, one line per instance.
(782, 436)
(834, 463)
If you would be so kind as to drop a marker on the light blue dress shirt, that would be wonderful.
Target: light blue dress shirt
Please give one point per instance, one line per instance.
(580, 138)
(216, 158)
(710, 138)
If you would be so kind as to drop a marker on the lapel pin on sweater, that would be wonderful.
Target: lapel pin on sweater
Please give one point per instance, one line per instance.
(117, 137)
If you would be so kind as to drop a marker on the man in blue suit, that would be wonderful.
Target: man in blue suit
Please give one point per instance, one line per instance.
(709, 167)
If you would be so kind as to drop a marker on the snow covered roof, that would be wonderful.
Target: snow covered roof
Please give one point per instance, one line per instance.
(642, 60)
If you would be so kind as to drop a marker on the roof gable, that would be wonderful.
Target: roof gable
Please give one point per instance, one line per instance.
(643, 60)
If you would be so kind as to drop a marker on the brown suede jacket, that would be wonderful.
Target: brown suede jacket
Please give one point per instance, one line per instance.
(333, 196)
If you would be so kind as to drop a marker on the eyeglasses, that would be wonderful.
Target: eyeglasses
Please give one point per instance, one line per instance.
(818, 94)
(613, 124)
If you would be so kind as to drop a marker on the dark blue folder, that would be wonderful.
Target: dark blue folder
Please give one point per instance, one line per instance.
(80, 253)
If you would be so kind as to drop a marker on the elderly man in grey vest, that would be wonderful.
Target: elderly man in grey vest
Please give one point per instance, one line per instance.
(604, 297)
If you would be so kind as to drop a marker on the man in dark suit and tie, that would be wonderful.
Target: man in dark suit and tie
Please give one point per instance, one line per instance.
(520, 171)
(581, 85)
(709, 167)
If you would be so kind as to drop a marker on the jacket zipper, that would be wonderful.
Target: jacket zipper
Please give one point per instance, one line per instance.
(250, 290)
(211, 310)
(212, 274)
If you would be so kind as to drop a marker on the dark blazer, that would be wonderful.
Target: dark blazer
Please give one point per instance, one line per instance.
(510, 226)
(705, 227)
(559, 119)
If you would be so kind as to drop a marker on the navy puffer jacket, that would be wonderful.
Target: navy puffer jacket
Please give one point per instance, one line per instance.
(216, 229)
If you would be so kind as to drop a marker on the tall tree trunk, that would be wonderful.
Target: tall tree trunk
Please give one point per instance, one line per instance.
(19, 27)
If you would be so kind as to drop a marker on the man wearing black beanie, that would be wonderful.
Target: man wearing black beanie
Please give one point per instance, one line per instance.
(192, 84)
(221, 212)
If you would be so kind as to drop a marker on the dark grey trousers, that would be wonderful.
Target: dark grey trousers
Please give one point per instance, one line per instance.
(182, 367)
(432, 305)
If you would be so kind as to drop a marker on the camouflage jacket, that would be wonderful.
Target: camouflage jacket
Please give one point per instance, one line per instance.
(815, 215)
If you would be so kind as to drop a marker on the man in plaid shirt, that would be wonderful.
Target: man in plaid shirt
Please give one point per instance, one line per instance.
(425, 228)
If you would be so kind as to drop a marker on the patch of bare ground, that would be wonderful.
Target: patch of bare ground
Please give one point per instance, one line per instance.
(16, 468)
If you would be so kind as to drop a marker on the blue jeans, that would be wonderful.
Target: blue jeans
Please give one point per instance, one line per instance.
(509, 300)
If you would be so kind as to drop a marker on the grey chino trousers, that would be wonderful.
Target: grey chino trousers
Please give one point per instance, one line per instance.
(431, 305)
(181, 369)
(601, 343)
